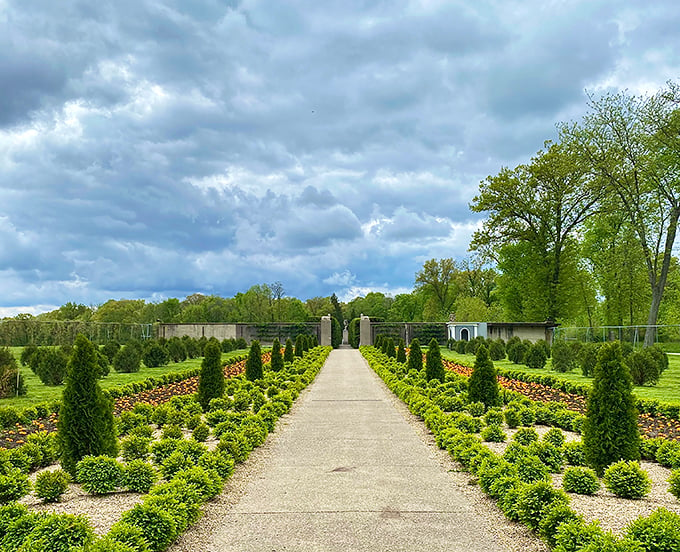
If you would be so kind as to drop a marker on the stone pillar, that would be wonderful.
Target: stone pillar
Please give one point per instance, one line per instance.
(325, 331)
(365, 331)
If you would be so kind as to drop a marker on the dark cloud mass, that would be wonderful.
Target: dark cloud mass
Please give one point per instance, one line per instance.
(152, 149)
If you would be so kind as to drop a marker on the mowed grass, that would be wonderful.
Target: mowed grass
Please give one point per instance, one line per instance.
(38, 393)
(667, 390)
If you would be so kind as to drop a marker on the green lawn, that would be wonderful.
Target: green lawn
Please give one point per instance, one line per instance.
(667, 390)
(40, 393)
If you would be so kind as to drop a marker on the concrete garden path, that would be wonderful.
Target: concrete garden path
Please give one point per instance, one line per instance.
(348, 472)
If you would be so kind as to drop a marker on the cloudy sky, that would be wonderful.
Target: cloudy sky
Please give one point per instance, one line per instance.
(157, 148)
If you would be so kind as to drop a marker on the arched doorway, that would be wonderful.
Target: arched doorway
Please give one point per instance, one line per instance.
(465, 334)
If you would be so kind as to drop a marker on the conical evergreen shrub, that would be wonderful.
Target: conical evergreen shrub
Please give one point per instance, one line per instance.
(85, 426)
(483, 384)
(277, 359)
(254, 363)
(434, 368)
(211, 379)
(289, 352)
(401, 351)
(610, 430)
(415, 356)
(390, 351)
(299, 345)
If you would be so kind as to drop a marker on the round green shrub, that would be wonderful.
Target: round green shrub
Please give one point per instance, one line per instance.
(128, 535)
(155, 355)
(525, 436)
(535, 357)
(157, 525)
(563, 356)
(476, 409)
(140, 476)
(668, 454)
(106, 544)
(127, 360)
(580, 480)
(549, 454)
(535, 499)
(59, 533)
(674, 483)
(573, 453)
(494, 416)
(643, 367)
(512, 417)
(14, 484)
(50, 365)
(135, 447)
(174, 463)
(207, 482)
(627, 479)
(221, 463)
(530, 469)
(99, 474)
(514, 451)
(497, 350)
(554, 436)
(494, 434)
(554, 515)
(658, 532)
(575, 535)
(201, 432)
(50, 485)
(172, 431)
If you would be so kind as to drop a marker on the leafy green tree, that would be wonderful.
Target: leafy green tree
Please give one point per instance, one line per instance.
(632, 144)
(434, 368)
(277, 359)
(438, 279)
(542, 205)
(610, 431)
(483, 384)
(211, 378)
(289, 351)
(254, 369)
(337, 310)
(415, 356)
(85, 426)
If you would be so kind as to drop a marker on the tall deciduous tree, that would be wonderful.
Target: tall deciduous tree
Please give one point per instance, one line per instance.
(633, 144)
(438, 279)
(542, 205)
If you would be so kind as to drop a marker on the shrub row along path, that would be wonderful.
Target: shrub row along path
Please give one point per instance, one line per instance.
(348, 470)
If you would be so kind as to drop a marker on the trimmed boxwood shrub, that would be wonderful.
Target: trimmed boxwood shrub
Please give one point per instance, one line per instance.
(58, 533)
(580, 480)
(610, 431)
(135, 447)
(154, 355)
(536, 356)
(573, 536)
(139, 476)
(201, 432)
(494, 434)
(99, 474)
(157, 525)
(50, 365)
(658, 532)
(563, 356)
(535, 499)
(497, 350)
(525, 436)
(573, 453)
(223, 464)
(127, 360)
(531, 469)
(627, 479)
(554, 515)
(554, 436)
(85, 426)
(14, 484)
(643, 367)
(668, 454)
(50, 485)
